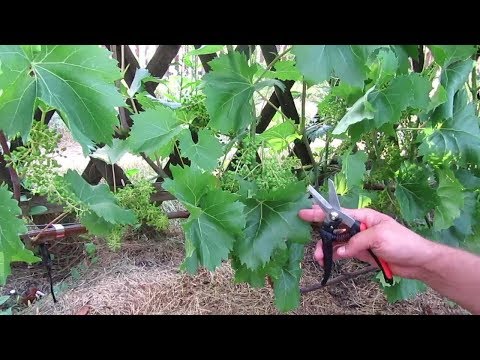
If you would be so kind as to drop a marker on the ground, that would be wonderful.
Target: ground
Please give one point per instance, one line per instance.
(143, 277)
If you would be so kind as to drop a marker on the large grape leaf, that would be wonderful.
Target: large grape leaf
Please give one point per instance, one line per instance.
(384, 106)
(458, 136)
(215, 228)
(229, 90)
(216, 217)
(154, 131)
(444, 55)
(319, 62)
(284, 70)
(255, 278)
(189, 184)
(96, 225)
(286, 283)
(457, 234)
(271, 219)
(362, 109)
(77, 80)
(450, 200)
(383, 66)
(452, 78)
(11, 247)
(99, 199)
(469, 180)
(353, 168)
(205, 153)
(280, 136)
(414, 195)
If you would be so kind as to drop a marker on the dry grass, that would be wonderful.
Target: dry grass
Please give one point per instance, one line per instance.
(144, 278)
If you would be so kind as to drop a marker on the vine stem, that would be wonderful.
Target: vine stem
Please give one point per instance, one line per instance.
(302, 132)
(474, 83)
(154, 166)
(338, 279)
(11, 170)
(271, 104)
(278, 57)
(58, 218)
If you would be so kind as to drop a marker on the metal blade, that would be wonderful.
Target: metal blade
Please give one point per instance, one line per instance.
(332, 195)
(320, 200)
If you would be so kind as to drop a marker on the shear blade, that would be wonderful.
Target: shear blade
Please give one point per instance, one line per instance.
(332, 195)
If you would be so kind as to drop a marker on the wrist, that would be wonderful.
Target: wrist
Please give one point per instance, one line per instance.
(432, 253)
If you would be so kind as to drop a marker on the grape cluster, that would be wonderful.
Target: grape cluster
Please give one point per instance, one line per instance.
(36, 165)
(195, 105)
(271, 173)
(332, 108)
(137, 198)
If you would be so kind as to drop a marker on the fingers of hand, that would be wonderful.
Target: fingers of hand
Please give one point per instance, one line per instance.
(315, 214)
(357, 244)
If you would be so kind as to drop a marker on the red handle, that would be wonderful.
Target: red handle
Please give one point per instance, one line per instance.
(382, 264)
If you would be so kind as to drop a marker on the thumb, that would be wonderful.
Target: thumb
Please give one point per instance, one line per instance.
(358, 243)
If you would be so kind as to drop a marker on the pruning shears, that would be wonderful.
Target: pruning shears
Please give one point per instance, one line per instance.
(338, 226)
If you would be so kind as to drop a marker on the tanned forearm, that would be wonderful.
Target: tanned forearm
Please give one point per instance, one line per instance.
(455, 274)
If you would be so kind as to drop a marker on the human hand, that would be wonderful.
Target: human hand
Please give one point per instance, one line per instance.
(405, 251)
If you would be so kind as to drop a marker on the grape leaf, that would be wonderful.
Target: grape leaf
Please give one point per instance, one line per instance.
(280, 136)
(385, 106)
(414, 195)
(154, 131)
(421, 87)
(452, 78)
(459, 136)
(444, 55)
(347, 92)
(140, 74)
(384, 66)
(95, 224)
(284, 70)
(404, 289)
(286, 284)
(467, 179)
(99, 199)
(450, 200)
(357, 198)
(11, 247)
(77, 80)
(361, 110)
(229, 90)
(112, 154)
(255, 278)
(457, 234)
(271, 219)
(206, 49)
(353, 167)
(411, 50)
(205, 153)
(319, 62)
(215, 227)
(189, 184)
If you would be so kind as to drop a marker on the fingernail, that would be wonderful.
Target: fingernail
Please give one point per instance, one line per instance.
(341, 251)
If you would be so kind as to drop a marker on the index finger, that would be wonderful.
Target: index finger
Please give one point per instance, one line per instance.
(315, 214)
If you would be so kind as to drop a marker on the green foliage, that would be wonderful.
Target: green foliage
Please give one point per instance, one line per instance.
(11, 247)
(76, 80)
(229, 89)
(415, 147)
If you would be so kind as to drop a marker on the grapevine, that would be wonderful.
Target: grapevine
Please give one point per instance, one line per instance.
(389, 137)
